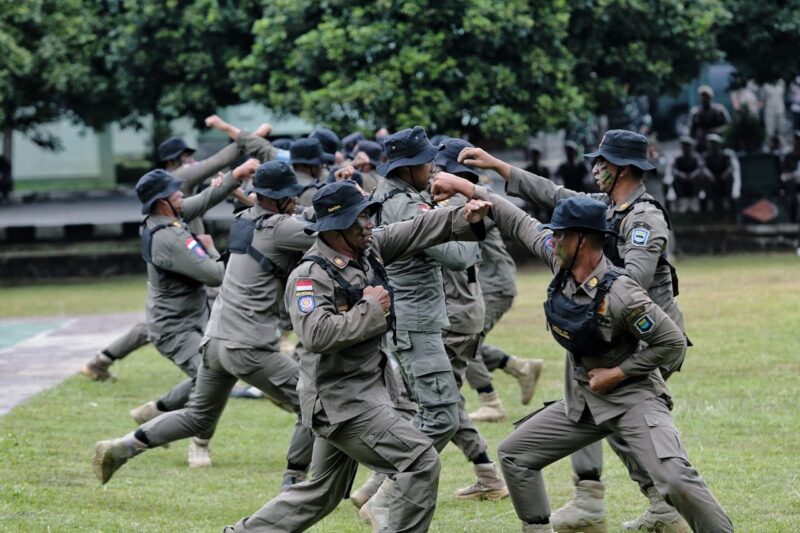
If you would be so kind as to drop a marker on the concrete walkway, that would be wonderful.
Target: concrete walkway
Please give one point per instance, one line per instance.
(39, 353)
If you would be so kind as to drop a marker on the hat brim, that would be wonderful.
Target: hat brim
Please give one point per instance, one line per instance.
(328, 158)
(302, 161)
(642, 164)
(278, 194)
(342, 220)
(591, 229)
(176, 154)
(174, 185)
(425, 156)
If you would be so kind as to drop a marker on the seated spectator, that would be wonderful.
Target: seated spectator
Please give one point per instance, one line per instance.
(687, 172)
(573, 173)
(719, 168)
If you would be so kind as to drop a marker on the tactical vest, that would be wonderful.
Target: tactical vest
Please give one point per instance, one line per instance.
(611, 250)
(575, 326)
(164, 274)
(240, 241)
(353, 295)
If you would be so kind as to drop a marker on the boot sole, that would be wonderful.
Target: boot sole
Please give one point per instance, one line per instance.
(491, 495)
(103, 463)
(657, 528)
(597, 527)
(533, 382)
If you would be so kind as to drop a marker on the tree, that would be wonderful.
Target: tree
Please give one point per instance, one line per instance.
(168, 58)
(637, 47)
(761, 40)
(479, 67)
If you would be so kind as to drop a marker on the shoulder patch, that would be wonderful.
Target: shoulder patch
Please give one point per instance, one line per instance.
(644, 324)
(548, 243)
(195, 247)
(640, 236)
(641, 224)
(306, 304)
(636, 311)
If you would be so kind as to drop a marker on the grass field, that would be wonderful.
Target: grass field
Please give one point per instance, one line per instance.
(736, 406)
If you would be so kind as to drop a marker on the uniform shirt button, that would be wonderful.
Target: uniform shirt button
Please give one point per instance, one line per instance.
(656, 422)
(372, 437)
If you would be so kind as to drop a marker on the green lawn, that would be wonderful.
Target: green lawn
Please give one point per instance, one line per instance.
(736, 405)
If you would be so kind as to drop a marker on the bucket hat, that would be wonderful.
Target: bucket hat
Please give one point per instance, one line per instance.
(154, 186)
(172, 148)
(622, 148)
(406, 148)
(306, 152)
(447, 158)
(276, 180)
(579, 213)
(337, 206)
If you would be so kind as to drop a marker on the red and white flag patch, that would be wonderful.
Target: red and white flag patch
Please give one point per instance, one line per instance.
(304, 286)
(195, 246)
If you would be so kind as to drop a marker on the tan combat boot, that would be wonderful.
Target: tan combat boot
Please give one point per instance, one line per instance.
(488, 486)
(660, 517)
(537, 528)
(97, 368)
(585, 512)
(491, 409)
(367, 490)
(527, 372)
(110, 455)
(145, 413)
(199, 452)
(376, 510)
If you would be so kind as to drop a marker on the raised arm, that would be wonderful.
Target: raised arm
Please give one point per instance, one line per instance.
(197, 205)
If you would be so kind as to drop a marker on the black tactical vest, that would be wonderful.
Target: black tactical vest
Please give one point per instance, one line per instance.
(611, 250)
(240, 241)
(575, 326)
(353, 294)
(164, 274)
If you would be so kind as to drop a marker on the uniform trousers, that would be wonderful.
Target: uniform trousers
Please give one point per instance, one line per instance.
(461, 350)
(380, 439)
(271, 372)
(431, 384)
(647, 428)
(489, 357)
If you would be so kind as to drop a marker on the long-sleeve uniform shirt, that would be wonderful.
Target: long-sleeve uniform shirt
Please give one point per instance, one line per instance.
(626, 309)
(643, 232)
(342, 370)
(247, 310)
(173, 305)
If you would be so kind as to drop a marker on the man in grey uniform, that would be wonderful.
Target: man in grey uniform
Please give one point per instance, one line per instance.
(308, 161)
(340, 309)
(642, 250)
(176, 157)
(179, 266)
(242, 337)
(617, 339)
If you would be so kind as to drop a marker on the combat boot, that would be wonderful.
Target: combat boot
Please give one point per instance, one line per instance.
(367, 490)
(292, 477)
(660, 517)
(491, 409)
(145, 413)
(585, 512)
(537, 528)
(376, 510)
(199, 452)
(97, 368)
(527, 372)
(110, 455)
(488, 486)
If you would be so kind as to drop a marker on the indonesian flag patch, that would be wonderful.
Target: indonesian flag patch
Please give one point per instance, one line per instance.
(195, 247)
(304, 287)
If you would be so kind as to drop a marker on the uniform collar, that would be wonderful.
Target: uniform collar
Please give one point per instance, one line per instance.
(258, 211)
(589, 286)
(305, 178)
(632, 197)
(334, 257)
(399, 183)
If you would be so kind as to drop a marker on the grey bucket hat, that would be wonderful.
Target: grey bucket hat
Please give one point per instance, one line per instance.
(622, 148)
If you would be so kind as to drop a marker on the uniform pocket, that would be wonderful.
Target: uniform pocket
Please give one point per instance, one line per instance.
(665, 437)
(436, 389)
(394, 439)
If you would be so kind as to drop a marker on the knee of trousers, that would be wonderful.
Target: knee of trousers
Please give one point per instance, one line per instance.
(512, 459)
(441, 422)
(676, 479)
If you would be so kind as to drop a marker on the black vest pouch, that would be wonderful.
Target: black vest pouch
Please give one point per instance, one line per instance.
(240, 241)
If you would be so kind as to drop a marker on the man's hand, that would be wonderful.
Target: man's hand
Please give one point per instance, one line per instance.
(216, 181)
(206, 240)
(446, 185)
(480, 158)
(361, 160)
(246, 169)
(263, 130)
(381, 294)
(214, 121)
(476, 210)
(344, 173)
(603, 380)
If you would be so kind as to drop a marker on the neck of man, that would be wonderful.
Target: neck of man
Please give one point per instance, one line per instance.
(623, 189)
(269, 204)
(163, 209)
(585, 264)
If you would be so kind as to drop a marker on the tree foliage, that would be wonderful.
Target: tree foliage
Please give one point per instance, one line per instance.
(762, 39)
